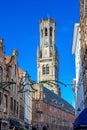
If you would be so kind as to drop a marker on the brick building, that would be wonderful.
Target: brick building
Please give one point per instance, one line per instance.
(11, 102)
(83, 33)
(51, 111)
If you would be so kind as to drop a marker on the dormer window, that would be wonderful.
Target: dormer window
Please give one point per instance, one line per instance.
(46, 33)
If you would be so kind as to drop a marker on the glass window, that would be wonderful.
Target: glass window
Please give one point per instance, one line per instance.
(47, 69)
(43, 70)
(5, 103)
(14, 106)
(11, 105)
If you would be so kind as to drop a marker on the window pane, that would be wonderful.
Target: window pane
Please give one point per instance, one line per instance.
(5, 103)
(11, 105)
(47, 70)
(43, 70)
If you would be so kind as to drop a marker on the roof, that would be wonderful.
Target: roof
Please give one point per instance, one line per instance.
(7, 59)
(20, 71)
(53, 98)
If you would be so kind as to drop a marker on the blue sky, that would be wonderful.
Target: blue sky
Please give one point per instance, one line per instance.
(19, 28)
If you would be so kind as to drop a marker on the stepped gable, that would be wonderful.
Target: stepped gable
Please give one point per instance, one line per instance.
(54, 99)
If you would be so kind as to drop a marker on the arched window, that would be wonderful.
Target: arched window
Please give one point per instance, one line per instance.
(47, 69)
(46, 32)
(1, 74)
(43, 69)
(5, 103)
(51, 31)
(41, 33)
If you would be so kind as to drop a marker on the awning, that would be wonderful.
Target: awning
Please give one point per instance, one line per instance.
(26, 125)
(81, 120)
(4, 121)
(17, 125)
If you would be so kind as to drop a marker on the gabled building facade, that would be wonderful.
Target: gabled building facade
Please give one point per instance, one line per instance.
(11, 102)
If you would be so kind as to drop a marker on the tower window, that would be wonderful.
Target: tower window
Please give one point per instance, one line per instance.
(47, 69)
(50, 31)
(1, 74)
(46, 33)
(41, 33)
(43, 70)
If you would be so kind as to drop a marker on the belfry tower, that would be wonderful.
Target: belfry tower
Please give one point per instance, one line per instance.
(47, 58)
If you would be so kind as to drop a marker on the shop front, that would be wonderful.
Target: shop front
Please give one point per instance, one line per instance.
(4, 124)
(16, 125)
